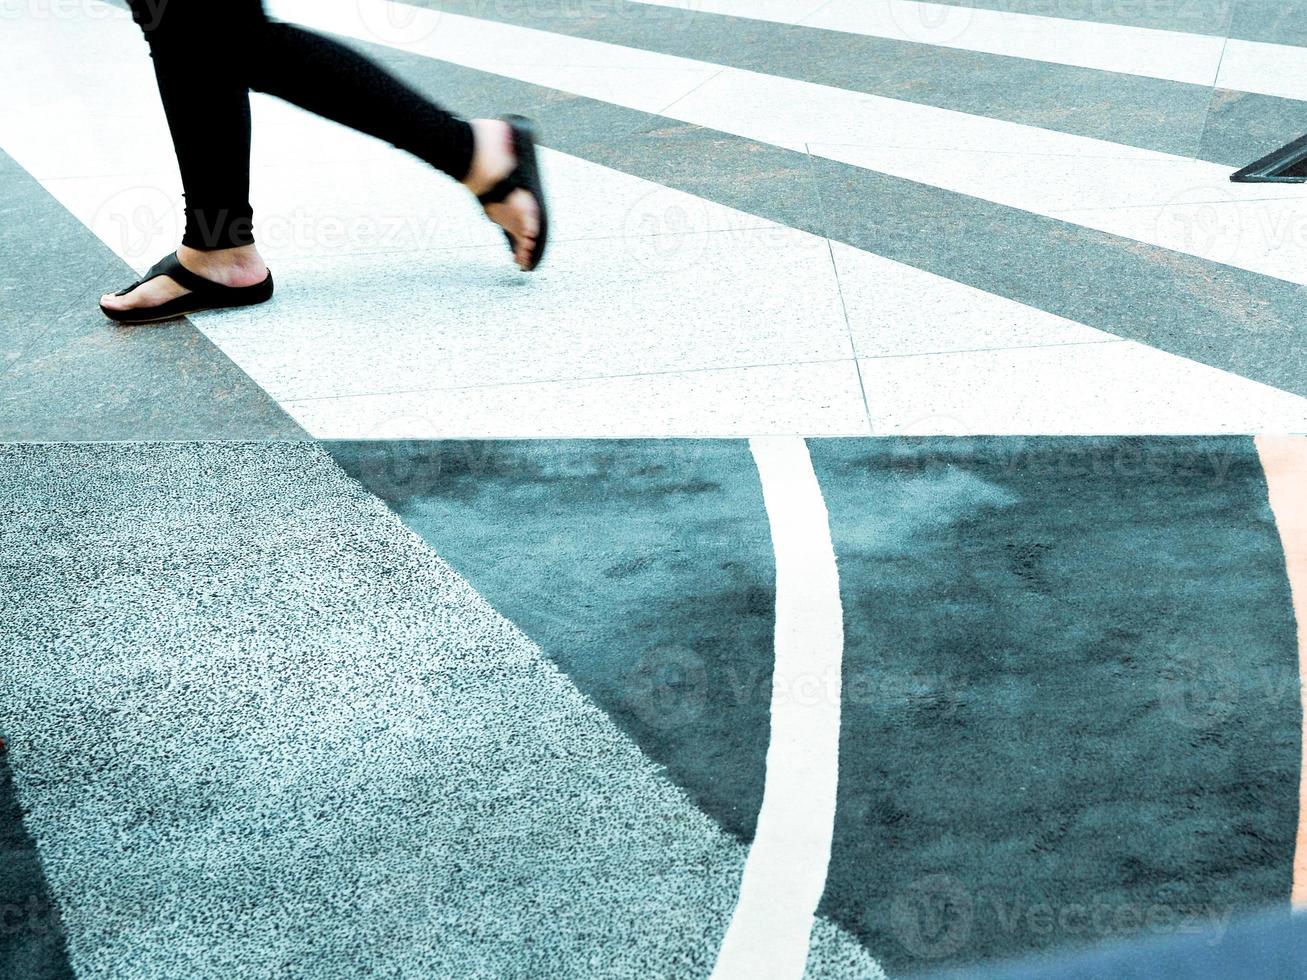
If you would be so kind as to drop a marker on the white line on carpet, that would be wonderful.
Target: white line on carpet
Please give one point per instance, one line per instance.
(785, 874)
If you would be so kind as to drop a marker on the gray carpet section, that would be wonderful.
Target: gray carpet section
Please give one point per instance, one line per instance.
(262, 730)
(643, 568)
(1071, 694)
(1056, 730)
(68, 374)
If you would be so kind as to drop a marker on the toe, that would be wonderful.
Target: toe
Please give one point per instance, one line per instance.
(525, 246)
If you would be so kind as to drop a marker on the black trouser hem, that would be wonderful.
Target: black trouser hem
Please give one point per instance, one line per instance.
(209, 229)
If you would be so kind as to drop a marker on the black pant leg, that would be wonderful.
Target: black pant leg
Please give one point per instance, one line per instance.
(201, 51)
(332, 80)
(208, 54)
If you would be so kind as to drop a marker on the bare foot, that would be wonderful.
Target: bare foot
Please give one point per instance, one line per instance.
(493, 160)
(228, 266)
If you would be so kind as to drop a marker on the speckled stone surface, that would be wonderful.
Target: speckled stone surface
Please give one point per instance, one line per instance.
(261, 729)
(67, 373)
(1225, 317)
(1147, 112)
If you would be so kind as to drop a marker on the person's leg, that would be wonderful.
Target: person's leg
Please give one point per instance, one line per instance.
(200, 56)
(209, 53)
(328, 78)
(337, 82)
(200, 64)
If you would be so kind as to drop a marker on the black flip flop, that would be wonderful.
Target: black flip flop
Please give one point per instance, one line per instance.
(205, 294)
(525, 176)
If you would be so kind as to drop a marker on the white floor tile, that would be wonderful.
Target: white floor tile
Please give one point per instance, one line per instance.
(1119, 388)
(599, 307)
(1267, 236)
(287, 136)
(799, 399)
(895, 309)
(608, 72)
(397, 204)
(139, 216)
(81, 100)
(1270, 69)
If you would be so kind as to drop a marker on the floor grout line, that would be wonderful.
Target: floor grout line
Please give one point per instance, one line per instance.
(578, 379)
(857, 367)
(762, 365)
(839, 288)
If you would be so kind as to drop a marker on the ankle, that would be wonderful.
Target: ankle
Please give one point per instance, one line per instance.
(241, 255)
(240, 266)
(492, 154)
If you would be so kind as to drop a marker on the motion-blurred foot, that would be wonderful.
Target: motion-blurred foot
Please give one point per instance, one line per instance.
(493, 160)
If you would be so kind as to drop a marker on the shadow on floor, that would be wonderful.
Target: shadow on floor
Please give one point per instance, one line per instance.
(31, 930)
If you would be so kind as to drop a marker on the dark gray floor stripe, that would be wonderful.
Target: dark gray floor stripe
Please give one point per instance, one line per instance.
(1228, 318)
(1192, 16)
(1188, 120)
(1273, 21)
(1058, 732)
(68, 374)
(1144, 112)
(31, 928)
(1242, 127)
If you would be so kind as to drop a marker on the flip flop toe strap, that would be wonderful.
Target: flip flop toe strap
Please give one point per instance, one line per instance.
(501, 190)
(172, 267)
